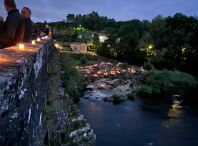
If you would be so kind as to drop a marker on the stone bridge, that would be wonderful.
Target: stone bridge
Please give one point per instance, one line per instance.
(23, 84)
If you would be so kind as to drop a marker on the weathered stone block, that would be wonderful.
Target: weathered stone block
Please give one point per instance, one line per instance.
(23, 83)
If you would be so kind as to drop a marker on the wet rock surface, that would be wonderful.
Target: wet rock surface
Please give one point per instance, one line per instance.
(105, 80)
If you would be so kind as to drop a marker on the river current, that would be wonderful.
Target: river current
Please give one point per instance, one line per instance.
(166, 119)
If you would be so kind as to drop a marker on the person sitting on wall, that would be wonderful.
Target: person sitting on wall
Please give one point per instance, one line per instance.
(26, 13)
(46, 30)
(50, 31)
(1, 27)
(35, 32)
(14, 26)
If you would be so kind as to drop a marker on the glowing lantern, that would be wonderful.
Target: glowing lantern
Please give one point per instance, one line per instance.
(46, 37)
(33, 42)
(102, 85)
(21, 46)
(113, 72)
(56, 45)
(118, 72)
(105, 74)
(43, 38)
(95, 75)
(38, 39)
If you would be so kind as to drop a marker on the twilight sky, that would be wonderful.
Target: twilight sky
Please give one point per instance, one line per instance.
(120, 10)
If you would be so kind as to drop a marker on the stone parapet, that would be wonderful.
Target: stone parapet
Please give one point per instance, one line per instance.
(23, 84)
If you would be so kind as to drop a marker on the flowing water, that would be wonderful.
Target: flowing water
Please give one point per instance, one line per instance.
(166, 119)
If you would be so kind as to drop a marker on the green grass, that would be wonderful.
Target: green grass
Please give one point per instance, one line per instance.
(161, 80)
(116, 97)
(65, 48)
(182, 79)
(75, 59)
(80, 28)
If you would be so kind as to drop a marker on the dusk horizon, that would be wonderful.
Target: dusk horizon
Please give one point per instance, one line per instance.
(119, 10)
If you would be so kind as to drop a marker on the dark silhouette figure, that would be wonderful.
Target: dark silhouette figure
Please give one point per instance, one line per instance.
(14, 26)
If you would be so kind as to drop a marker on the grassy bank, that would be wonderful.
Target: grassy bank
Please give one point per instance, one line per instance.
(76, 59)
(157, 81)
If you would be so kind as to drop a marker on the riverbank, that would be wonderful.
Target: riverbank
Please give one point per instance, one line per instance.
(107, 79)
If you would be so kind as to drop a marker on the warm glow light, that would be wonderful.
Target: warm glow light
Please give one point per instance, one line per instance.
(150, 47)
(105, 74)
(177, 95)
(102, 85)
(43, 38)
(46, 37)
(95, 75)
(33, 42)
(113, 72)
(21, 46)
(77, 67)
(56, 45)
(38, 39)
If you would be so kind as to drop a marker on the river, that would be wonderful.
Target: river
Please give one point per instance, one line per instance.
(166, 119)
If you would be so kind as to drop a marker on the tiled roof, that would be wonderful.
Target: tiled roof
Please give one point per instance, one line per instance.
(77, 43)
(103, 35)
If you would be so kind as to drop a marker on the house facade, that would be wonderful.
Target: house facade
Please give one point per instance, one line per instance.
(78, 47)
(103, 37)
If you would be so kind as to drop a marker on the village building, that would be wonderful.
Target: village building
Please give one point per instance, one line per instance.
(78, 47)
(103, 37)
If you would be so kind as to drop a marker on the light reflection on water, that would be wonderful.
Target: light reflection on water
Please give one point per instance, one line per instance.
(162, 120)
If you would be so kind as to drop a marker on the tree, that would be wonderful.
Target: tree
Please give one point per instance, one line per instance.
(105, 50)
(70, 18)
(127, 49)
(96, 42)
(74, 36)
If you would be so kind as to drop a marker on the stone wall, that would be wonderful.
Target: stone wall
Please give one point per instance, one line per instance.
(23, 84)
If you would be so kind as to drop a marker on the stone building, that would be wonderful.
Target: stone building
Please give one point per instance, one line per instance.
(79, 47)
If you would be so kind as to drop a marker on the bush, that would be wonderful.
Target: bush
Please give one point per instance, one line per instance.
(182, 79)
(124, 65)
(66, 49)
(100, 88)
(131, 95)
(116, 97)
(106, 99)
(157, 80)
(135, 91)
(89, 57)
(72, 79)
(146, 90)
(148, 66)
(83, 59)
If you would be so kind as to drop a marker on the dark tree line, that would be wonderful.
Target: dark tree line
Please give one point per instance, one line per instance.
(166, 42)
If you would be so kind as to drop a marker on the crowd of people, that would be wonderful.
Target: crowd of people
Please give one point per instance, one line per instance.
(18, 28)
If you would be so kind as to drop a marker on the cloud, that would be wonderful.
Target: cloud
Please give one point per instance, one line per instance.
(120, 10)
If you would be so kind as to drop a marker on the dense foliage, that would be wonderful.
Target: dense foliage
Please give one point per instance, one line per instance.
(158, 81)
(71, 77)
(166, 42)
